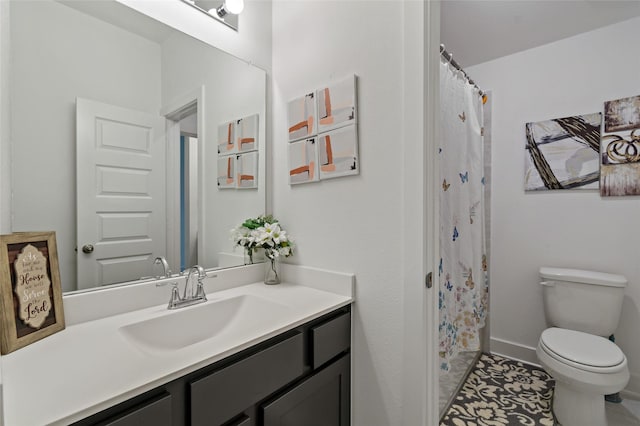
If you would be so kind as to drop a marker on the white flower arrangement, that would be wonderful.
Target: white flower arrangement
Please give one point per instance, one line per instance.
(263, 232)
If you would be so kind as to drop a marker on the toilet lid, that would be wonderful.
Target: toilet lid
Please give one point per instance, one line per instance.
(582, 348)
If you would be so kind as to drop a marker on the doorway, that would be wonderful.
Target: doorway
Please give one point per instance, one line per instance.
(185, 139)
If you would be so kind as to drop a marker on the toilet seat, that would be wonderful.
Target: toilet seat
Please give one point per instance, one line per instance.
(582, 350)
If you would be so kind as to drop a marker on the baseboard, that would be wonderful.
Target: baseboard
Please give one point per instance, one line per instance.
(513, 350)
(632, 390)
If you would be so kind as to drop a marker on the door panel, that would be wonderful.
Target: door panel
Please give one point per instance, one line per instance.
(121, 180)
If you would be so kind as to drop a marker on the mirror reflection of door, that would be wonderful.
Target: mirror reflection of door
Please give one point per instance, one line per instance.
(182, 186)
(121, 176)
(188, 191)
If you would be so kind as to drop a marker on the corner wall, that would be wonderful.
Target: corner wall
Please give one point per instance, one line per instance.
(357, 224)
(573, 228)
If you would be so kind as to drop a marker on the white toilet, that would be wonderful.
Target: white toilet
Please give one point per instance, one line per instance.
(583, 309)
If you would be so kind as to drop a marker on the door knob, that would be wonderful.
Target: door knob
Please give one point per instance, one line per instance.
(87, 248)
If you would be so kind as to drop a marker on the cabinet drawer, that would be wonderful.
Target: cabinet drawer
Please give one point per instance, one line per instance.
(321, 400)
(224, 394)
(244, 420)
(330, 339)
(154, 412)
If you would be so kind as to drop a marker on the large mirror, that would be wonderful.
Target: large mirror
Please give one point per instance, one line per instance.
(115, 125)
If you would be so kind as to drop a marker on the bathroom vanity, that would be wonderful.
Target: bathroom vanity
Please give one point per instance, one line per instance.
(251, 355)
(302, 374)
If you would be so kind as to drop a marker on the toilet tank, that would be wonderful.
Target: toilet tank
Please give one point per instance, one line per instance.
(580, 300)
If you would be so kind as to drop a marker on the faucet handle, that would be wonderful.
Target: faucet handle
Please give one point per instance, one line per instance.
(175, 294)
(200, 294)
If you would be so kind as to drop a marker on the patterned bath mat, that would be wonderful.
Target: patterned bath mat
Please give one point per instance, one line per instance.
(501, 391)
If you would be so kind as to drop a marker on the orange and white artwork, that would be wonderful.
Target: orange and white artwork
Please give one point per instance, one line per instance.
(247, 170)
(301, 117)
(338, 153)
(247, 133)
(303, 161)
(226, 171)
(337, 105)
(226, 138)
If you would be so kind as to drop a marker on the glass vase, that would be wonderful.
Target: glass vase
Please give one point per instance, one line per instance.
(272, 273)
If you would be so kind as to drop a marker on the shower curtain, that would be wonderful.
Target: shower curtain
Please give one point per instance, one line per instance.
(463, 296)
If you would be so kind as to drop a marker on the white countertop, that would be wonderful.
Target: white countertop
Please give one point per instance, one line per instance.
(91, 365)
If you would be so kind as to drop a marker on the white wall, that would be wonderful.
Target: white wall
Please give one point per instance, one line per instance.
(109, 65)
(355, 224)
(578, 228)
(233, 90)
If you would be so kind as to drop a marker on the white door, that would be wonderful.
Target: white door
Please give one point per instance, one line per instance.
(120, 155)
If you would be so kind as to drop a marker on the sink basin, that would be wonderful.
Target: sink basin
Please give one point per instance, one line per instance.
(186, 326)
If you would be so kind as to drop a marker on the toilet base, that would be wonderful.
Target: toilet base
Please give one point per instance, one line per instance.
(573, 408)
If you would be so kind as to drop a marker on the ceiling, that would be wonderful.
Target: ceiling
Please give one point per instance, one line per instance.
(477, 31)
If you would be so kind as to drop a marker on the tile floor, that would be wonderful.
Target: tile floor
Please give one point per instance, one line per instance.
(450, 381)
(625, 414)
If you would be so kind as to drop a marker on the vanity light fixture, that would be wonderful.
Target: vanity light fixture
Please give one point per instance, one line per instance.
(224, 11)
(234, 7)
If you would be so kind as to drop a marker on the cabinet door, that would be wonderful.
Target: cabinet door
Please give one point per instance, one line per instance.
(330, 338)
(321, 400)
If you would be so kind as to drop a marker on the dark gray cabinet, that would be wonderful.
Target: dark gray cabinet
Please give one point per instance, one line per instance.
(220, 396)
(299, 378)
(151, 408)
(320, 400)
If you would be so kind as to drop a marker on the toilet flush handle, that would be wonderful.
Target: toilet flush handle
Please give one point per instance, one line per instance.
(548, 283)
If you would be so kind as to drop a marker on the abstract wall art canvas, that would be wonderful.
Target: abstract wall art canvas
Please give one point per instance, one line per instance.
(301, 117)
(622, 114)
(226, 171)
(620, 148)
(247, 134)
(338, 153)
(563, 153)
(303, 161)
(226, 138)
(247, 170)
(337, 105)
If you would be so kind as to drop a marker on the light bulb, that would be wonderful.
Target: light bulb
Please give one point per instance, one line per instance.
(234, 6)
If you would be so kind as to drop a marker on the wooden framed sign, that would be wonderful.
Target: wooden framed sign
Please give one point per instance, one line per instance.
(30, 290)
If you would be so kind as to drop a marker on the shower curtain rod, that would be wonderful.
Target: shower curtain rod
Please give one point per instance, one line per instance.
(449, 58)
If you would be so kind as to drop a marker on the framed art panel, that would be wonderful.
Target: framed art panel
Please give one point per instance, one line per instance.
(563, 153)
(338, 153)
(303, 160)
(226, 172)
(301, 116)
(30, 288)
(337, 105)
(622, 114)
(620, 148)
(247, 170)
(226, 138)
(247, 134)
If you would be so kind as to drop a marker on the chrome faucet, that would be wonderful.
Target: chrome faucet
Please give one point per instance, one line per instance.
(165, 266)
(193, 293)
